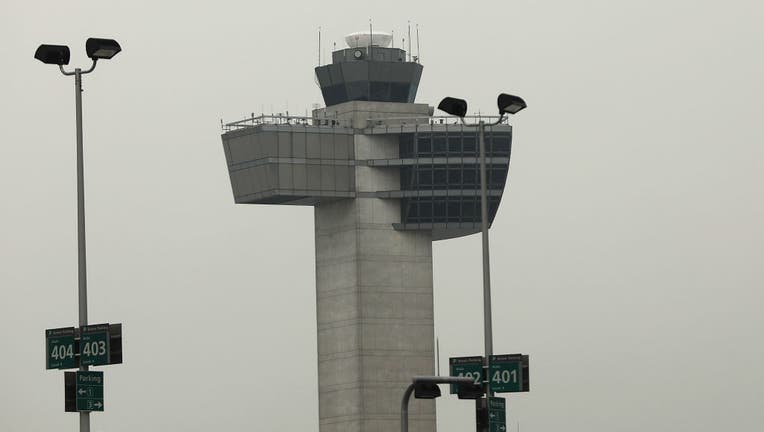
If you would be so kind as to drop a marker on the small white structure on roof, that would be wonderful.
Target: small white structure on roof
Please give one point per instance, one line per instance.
(364, 39)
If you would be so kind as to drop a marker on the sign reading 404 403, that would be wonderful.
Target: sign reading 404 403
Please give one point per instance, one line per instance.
(59, 347)
(94, 344)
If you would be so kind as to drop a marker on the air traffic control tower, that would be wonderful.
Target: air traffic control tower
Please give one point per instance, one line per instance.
(386, 179)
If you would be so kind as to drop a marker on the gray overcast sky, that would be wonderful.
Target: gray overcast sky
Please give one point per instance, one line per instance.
(627, 252)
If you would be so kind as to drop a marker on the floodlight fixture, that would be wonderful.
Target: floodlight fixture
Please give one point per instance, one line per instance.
(53, 54)
(470, 391)
(98, 48)
(510, 104)
(426, 390)
(454, 106)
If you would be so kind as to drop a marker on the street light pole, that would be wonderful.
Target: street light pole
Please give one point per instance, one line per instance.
(81, 260)
(82, 290)
(507, 104)
(487, 318)
(96, 48)
(82, 280)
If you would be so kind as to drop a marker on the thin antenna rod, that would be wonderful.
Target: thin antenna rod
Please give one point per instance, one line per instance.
(437, 356)
(371, 42)
(392, 33)
(418, 54)
(409, 40)
(319, 45)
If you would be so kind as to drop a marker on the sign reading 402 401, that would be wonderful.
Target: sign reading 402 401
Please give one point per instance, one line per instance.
(509, 373)
(59, 348)
(467, 367)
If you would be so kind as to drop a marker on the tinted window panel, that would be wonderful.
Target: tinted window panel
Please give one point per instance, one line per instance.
(454, 145)
(439, 145)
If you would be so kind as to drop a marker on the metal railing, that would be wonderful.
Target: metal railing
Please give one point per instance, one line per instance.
(429, 123)
(283, 120)
(431, 120)
(290, 120)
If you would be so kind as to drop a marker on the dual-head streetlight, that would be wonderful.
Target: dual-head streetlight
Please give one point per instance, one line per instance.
(96, 49)
(507, 104)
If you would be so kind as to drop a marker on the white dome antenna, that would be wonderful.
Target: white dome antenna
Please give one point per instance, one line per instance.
(364, 39)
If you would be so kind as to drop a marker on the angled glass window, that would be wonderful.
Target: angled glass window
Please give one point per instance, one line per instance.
(455, 145)
(424, 145)
(439, 146)
(469, 144)
(500, 145)
(455, 176)
(406, 145)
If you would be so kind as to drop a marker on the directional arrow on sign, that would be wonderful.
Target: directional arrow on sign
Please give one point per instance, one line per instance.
(502, 428)
(82, 391)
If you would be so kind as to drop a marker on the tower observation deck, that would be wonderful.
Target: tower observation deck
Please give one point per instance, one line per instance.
(386, 178)
(369, 71)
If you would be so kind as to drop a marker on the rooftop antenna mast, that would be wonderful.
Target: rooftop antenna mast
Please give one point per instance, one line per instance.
(371, 39)
(315, 77)
(409, 40)
(418, 54)
(437, 356)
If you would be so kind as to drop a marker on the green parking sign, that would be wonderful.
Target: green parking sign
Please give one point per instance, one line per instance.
(467, 367)
(94, 345)
(59, 348)
(497, 414)
(508, 373)
(83, 391)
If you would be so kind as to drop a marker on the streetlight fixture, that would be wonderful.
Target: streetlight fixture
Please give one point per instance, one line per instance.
(454, 106)
(102, 48)
(507, 104)
(59, 55)
(426, 387)
(53, 54)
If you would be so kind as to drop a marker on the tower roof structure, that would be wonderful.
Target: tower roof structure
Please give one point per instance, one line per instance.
(369, 71)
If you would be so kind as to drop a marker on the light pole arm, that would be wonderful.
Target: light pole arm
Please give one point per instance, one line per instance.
(405, 408)
(92, 67)
(425, 379)
(497, 122)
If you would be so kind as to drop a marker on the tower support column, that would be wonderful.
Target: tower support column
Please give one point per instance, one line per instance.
(374, 311)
